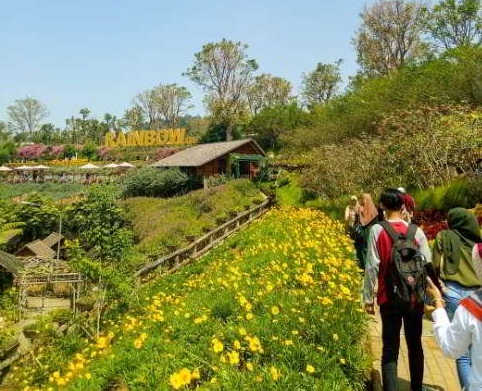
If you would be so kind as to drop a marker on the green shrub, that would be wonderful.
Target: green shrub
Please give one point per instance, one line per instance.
(457, 194)
(430, 198)
(475, 190)
(153, 182)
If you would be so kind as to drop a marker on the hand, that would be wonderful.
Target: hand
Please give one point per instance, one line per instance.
(432, 291)
(370, 308)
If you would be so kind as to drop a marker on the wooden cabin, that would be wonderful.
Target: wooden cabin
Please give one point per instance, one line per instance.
(240, 158)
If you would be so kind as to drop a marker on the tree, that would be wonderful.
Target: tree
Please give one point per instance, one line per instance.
(456, 23)
(163, 104)
(320, 85)
(272, 122)
(224, 71)
(47, 134)
(268, 91)
(172, 101)
(5, 134)
(25, 115)
(99, 224)
(81, 130)
(133, 118)
(390, 36)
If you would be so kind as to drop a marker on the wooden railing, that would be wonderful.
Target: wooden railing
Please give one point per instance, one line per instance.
(204, 243)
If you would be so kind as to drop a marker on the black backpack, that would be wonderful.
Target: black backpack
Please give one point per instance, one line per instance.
(407, 277)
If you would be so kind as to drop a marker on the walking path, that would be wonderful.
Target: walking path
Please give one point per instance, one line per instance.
(440, 373)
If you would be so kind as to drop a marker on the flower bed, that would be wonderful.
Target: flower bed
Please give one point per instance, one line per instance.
(275, 307)
(431, 221)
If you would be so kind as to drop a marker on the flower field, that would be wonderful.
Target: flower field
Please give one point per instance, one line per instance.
(275, 307)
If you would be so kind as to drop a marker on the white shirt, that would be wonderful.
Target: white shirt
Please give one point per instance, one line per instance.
(455, 338)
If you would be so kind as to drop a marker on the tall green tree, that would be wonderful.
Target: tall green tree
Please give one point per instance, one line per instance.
(271, 123)
(390, 35)
(456, 23)
(163, 104)
(321, 84)
(81, 130)
(269, 91)
(133, 119)
(26, 114)
(224, 71)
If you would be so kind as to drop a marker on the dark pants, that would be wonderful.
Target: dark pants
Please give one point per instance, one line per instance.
(392, 319)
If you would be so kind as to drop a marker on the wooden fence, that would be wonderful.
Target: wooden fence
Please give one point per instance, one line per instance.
(204, 243)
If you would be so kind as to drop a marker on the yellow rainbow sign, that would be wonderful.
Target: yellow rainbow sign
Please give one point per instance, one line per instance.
(147, 138)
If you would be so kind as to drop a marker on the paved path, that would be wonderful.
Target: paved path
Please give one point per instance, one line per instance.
(440, 373)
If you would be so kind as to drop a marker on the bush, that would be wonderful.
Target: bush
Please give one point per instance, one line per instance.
(153, 182)
(457, 194)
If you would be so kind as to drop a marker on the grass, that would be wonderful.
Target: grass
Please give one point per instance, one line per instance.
(162, 222)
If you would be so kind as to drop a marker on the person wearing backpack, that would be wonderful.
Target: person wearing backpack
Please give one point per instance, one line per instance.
(399, 260)
(452, 258)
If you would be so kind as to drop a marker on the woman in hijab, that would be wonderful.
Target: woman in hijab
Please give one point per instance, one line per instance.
(367, 216)
(452, 258)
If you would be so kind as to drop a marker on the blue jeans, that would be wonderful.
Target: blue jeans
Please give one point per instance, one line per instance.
(452, 296)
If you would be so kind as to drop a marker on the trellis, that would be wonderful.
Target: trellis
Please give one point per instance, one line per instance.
(46, 272)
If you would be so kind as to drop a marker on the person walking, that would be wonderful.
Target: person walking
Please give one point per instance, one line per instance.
(452, 259)
(392, 315)
(368, 215)
(408, 205)
(351, 212)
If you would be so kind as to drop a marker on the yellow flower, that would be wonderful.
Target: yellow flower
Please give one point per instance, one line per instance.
(175, 381)
(61, 381)
(237, 344)
(249, 316)
(335, 337)
(310, 368)
(275, 310)
(217, 345)
(275, 373)
(249, 366)
(88, 376)
(185, 375)
(138, 343)
(342, 360)
(233, 358)
(195, 374)
(254, 344)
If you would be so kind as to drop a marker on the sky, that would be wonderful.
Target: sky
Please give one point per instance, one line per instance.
(99, 54)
